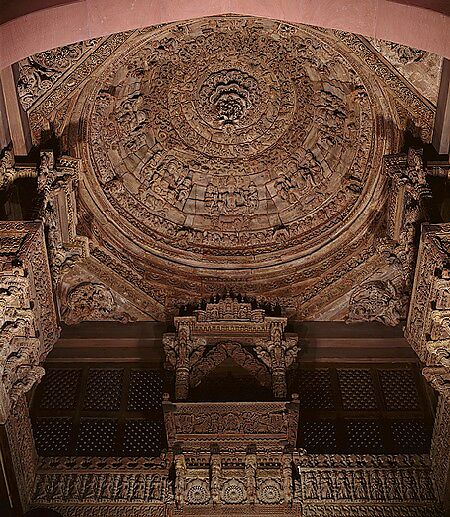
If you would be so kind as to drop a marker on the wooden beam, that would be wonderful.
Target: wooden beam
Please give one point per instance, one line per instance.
(5, 137)
(441, 132)
(18, 125)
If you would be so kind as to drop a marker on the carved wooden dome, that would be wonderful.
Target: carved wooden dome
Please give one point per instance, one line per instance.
(234, 143)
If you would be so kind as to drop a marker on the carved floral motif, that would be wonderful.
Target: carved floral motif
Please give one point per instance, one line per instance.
(91, 302)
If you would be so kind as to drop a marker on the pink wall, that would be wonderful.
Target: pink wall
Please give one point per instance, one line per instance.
(76, 20)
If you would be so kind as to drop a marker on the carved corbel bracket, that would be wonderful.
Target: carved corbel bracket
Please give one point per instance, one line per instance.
(57, 183)
(376, 300)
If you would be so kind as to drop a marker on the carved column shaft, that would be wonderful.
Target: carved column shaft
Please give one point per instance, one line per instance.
(216, 467)
(181, 383)
(180, 479)
(250, 474)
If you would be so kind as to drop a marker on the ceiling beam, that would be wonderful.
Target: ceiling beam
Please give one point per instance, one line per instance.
(441, 131)
(16, 118)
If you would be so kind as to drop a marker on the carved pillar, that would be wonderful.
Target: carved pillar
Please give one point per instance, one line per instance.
(428, 331)
(250, 475)
(28, 330)
(28, 327)
(286, 467)
(180, 479)
(182, 353)
(18, 124)
(278, 353)
(22, 451)
(216, 475)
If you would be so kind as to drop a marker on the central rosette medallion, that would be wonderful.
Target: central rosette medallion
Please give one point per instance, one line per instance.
(229, 96)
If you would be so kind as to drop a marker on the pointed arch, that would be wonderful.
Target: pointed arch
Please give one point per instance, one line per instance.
(239, 355)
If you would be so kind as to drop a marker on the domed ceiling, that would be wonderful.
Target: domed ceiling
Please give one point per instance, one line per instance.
(234, 153)
(234, 144)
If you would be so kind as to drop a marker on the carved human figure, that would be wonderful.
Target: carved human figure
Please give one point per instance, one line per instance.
(376, 485)
(180, 480)
(286, 466)
(342, 488)
(325, 485)
(359, 485)
(310, 485)
(216, 477)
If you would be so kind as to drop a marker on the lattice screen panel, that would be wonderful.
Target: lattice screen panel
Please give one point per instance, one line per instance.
(52, 435)
(61, 388)
(315, 435)
(145, 390)
(99, 411)
(411, 436)
(399, 389)
(97, 436)
(357, 389)
(362, 409)
(104, 389)
(364, 436)
(315, 389)
(142, 438)
(116, 410)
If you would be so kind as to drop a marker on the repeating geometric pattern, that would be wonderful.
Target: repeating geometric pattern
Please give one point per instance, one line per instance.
(145, 392)
(411, 436)
(52, 435)
(364, 437)
(357, 389)
(315, 389)
(96, 436)
(142, 438)
(318, 436)
(399, 390)
(60, 388)
(104, 389)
